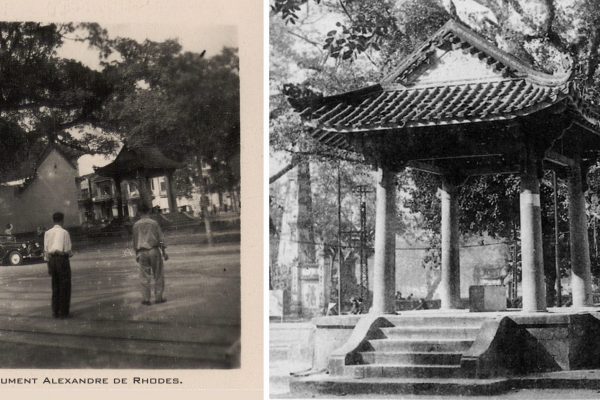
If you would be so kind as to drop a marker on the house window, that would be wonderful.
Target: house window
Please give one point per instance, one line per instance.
(163, 186)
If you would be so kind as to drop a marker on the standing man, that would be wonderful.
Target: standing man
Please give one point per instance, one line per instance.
(149, 246)
(57, 250)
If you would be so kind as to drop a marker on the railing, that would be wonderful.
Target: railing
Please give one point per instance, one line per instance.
(103, 197)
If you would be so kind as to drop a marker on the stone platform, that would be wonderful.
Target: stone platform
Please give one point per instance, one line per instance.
(429, 351)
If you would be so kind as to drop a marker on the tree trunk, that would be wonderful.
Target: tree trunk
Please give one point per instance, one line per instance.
(204, 204)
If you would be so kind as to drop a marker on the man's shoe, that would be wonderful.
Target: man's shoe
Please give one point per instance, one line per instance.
(146, 303)
(160, 301)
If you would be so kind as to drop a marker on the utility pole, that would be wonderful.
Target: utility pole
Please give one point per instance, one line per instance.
(339, 241)
(515, 287)
(362, 191)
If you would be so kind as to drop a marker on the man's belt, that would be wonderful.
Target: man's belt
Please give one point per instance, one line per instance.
(58, 254)
(145, 249)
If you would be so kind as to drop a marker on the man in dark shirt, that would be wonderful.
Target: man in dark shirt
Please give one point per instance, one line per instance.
(149, 246)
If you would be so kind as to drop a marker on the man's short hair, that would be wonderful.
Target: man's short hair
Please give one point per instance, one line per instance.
(143, 208)
(58, 217)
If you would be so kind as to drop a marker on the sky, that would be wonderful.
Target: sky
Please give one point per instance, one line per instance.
(211, 38)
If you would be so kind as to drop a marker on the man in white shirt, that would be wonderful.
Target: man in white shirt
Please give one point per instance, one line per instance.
(57, 250)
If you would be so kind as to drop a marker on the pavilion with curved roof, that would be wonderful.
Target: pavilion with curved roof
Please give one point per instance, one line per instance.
(460, 107)
(140, 164)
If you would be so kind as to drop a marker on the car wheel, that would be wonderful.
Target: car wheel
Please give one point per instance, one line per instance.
(15, 258)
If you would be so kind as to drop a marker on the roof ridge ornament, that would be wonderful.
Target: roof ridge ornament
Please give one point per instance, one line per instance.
(457, 36)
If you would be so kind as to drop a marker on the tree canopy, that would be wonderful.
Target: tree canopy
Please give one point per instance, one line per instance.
(143, 93)
(339, 45)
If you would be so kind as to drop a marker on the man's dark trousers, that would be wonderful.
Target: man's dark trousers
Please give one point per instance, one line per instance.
(59, 268)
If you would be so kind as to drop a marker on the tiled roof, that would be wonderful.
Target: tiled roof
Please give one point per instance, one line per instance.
(131, 159)
(401, 100)
(435, 105)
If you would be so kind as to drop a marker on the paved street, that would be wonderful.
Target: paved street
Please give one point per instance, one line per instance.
(109, 327)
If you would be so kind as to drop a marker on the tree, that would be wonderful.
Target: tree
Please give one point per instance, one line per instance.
(45, 98)
(162, 92)
(552, 35)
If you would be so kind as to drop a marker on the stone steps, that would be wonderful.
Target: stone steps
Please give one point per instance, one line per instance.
(421, 345)
(439, 320)
(403, 370)
(418, 347)
(437, 358)
(432, 332)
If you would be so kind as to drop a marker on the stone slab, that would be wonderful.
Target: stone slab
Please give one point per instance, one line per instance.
(326, 384)
(487, 298)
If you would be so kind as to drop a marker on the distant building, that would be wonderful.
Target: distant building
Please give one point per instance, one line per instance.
(44, 183)
(97, 198)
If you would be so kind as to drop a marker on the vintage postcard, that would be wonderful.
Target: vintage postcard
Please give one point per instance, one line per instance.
(433, 199)
(124, 169)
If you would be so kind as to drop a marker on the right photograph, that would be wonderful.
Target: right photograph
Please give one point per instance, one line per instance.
(433, 198)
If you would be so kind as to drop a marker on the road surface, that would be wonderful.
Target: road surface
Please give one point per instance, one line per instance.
(110, 328)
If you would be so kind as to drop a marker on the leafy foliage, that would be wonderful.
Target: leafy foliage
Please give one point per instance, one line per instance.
(144, 93)
(364, 40)
(43, 96)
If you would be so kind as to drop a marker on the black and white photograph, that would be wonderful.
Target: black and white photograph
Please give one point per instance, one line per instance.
(119, 195)
(434, 175)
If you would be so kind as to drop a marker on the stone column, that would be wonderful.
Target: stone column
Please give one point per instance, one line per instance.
(384, 273)
(144, 189)
(581, 281)
(450, 283)
(126, 205)
(533, 283)
(171, 197)
(119, 196)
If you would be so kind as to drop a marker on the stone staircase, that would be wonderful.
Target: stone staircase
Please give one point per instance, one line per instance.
(417, 347)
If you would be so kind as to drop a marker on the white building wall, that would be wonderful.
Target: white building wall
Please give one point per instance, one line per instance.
(54, 189)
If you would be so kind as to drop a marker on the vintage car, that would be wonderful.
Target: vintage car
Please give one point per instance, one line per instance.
(13, 252)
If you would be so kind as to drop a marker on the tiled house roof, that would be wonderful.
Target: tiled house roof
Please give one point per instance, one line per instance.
(27, 168)
(131, 159)
(507, 89)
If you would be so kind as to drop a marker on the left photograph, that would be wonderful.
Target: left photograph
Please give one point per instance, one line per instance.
(119, 196)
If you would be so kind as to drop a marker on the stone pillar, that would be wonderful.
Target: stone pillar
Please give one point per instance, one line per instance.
(144, 189)
(450, 233)
(324, 264)
(171, 197)
(296, 255)
(533, 283)
(581, 277)
(126, 205)
(119, 196)
(384, 274)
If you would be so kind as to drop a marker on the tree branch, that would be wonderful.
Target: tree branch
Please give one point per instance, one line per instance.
(307, 40)
(341, 3)
(593, 59)
(295, 161)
